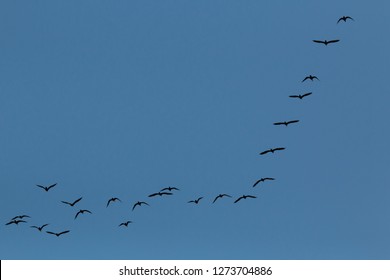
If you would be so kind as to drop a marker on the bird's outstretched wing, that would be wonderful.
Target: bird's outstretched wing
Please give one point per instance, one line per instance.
(51, 186)
(63, 232)
(305, 79)
(88, 211)
(35, 227)
(251, 196)
(77, 215)
(294, 96)
(319, 41)
(333, 41)
(278, 123)
(293, 121)
(191, 201)
(279, 149)
(306, 94)
(41, 187)
(215, 199)
(77, 200)
(258, 181)
(50, 232)
(66, 202)
(238, 199)
(11, 222)
(153, 194)
(265, 152)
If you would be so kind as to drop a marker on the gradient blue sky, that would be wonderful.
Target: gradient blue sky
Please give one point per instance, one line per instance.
(123, 98)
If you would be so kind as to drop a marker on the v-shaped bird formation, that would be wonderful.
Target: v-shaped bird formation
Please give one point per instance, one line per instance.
(167, 192)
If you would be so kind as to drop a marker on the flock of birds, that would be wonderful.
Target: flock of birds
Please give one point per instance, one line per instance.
(168, 191)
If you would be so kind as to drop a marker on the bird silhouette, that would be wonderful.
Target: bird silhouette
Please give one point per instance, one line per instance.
(47, 188)
(244, 197)
(113, 199)
(196, 201)
(220, 196)
(310, 77)
(58, 234)
(344, 18)
(286, 123)
(82, 212)
(262, 180)
(16, 222)
(73, 203)
(160, 194)
(272, 150)
(125, 223)
(20, 217)
(326, 42)
(139, 203)
(169, 189)
(40, 228)
(300, 96)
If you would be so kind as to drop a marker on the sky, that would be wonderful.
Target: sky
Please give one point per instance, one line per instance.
(124, 98)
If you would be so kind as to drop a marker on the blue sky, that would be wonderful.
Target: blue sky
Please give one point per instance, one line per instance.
(124, 98)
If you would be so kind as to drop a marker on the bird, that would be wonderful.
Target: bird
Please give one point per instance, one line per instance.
(73, 203)
(272, 150)
(344, 18)
(20, 217)
(113, 199)
(125, 223)
(286, 123)
(244, 197)
(47, 188)
(58, 234)
(300, 96)
(310, 77)
(326, 42)
(82, 212)
(196, 201)
(169, 189)
(139, 203)
(40, 228)
(16, 222)
(262, 180)
(220, 196)
(160, 194)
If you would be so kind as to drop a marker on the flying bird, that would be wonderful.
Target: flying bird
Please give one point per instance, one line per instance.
(272, 150)
(326, 42)
(125, 223)
(40, 228)
(113, 199)
(16, 222)
(139, 203)
(73, 203)
(47, 188)
(20, 217)
(196, 201)
(82, 212)
(160, 194)
(169, 189)
(262, 180)
(310, 77)
(300, 96)
(58, 234)
(286, 123)
(344, 18)
(220, 196)
(244, 197)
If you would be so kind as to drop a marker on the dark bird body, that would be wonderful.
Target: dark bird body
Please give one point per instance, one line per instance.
(262, 180)
(244, 197)
(40, 228)
(169, 189)
(196, 201)
(73, 203)
(300, 96)
(82, 212)
(310, 77)
(272, 150)
(344, 18)
(326, 42)
(139, 203)
(220, 196)
(47, 188)
(58, 234)
(160, 194)
(125, 223)
(16, 222)
(113, 199)
(286, 123)
(20, 217)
